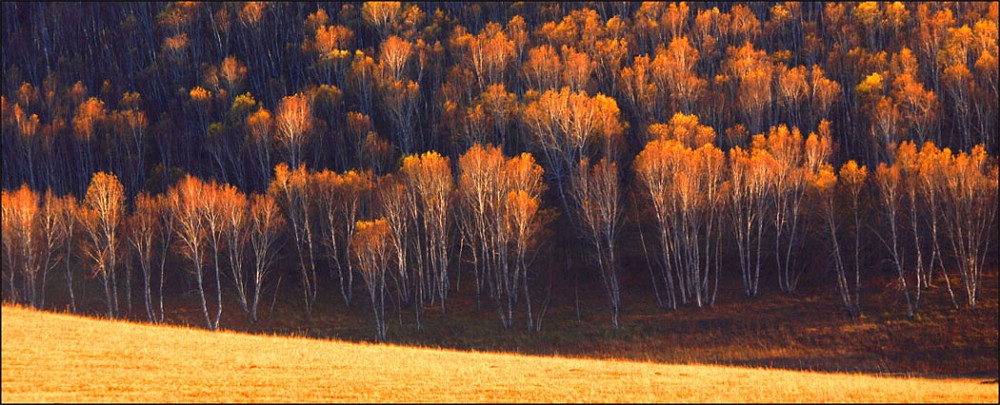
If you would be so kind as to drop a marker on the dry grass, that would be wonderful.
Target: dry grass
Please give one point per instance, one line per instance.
(60, 358)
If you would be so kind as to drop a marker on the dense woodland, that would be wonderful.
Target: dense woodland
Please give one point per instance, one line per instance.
(383, 151)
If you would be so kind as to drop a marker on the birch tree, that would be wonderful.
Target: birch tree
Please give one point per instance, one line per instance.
(596, 191)
(191, 229)
(21, 243)
(101, 215)
(887, 180)
(143, 229)
(291, 189)
(371, 247)
(429, 180)
(294, 127)
(970, 198)
(265, 225)
(749, 208)
(236, 233)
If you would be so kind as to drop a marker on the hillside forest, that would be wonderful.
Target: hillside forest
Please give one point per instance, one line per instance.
(382, 152)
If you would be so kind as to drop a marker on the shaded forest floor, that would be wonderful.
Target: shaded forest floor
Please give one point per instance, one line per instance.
(805, 331)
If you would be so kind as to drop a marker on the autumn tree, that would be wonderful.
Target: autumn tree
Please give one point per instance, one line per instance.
(200, 107)
(683, 174)
(500, 216)
(824, 188)
(291, 189)
(88, 126)
(647, 27)
(259, 140)
(969, 197)
(130, 126)
(67, 207)
(228, 144)
(101, 215)
(342, 199)
(430, 182)
(683, 128)
(396, 205)
(330, 45)
(52, 234)
(750, 172)
(371, 247)
(393, 56)
(482, 206)
(165, 241)
(609, 54)
(908, 159)
(236, 231)
(527, 219)
(541, 71)
(10, 247)
(889, 185)
(22, 245)
(361, 80)
(381, 15)
(917, 106)
(358, 127)
(265, 225)
(640, 91)
(379, 154)
(501, 108)
(489, 54)
(753, 73)
(185, 87)
(952, 61)
(853, 179)
(792, 91)
(678, 63)
(684, 186)
(596, 191)
(793, 165)
(933, 165)
(986, 51)
(191, 229)
(577, 68)
(143, 229)
(823, 93)
(212, 207)
(294, 127)
(568, 127)
(400, 101)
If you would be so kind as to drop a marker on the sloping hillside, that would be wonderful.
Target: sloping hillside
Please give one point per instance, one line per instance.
(59, 358)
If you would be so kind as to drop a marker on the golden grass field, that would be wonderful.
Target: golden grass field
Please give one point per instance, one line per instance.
(50, 357)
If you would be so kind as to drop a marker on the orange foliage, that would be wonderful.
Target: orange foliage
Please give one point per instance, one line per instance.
(393, 55)
(294, 124)
(684, 129)
(89, 115)
(542, 68)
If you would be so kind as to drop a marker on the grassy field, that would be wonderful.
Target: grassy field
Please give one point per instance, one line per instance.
(60, 358)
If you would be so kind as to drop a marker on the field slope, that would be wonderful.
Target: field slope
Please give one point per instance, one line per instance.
(60, 358)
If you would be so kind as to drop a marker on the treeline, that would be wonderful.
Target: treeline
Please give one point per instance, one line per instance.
(400, 139)
(399, 231)
(399, 227)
